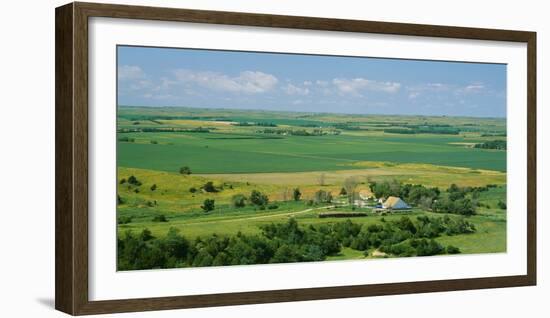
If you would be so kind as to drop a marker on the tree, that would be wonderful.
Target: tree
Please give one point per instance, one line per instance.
(208, 205)
(465, 207)
(452, 249)
(426, 203)
(258, 198)
(154, 187)
(134, 181)
(322, 179)
(501, 205)
(391, 188)
(286, 194)
(185, 170)
(238, 200)
(395, 187)
(350, 184)
(146, 235)
(343, 191)
(209, 187)
(160, 218)
(322, 196)
(296, 194)
(176, 245)
(124, 219)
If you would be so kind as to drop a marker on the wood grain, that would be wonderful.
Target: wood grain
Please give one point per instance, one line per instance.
(64, 236)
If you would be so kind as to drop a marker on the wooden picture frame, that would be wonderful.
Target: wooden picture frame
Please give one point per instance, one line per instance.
(71, 90)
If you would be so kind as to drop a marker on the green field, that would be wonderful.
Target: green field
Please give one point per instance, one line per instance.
(275, 152)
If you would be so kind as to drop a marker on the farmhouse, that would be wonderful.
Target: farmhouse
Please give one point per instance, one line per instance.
(395, 203)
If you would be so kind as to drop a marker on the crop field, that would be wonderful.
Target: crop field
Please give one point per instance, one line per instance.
(185, 168)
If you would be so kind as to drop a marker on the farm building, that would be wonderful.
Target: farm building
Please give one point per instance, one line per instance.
(395, 203)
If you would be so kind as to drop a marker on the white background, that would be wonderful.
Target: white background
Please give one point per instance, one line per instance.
(27, 169)
(106, 284)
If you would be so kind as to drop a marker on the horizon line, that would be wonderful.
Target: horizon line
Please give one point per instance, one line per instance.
(310, 112)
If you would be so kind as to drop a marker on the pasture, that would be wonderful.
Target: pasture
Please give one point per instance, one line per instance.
(239, 152)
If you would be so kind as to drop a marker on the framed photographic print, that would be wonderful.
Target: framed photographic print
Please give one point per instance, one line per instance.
(211, 158)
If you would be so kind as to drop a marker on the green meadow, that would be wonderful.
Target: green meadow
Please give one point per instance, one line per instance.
(274, 153)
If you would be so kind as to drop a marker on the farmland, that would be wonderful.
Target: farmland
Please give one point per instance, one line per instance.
(238, 152)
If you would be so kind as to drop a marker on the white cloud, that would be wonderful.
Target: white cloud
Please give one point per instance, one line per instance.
(291, 89)
(413, 95)
(355, 85)
(249, 82)
(438, 86)
(429, 89)
(321, 83)
(130, 72)
(133, 78)
(474, 88)
(159, 96)
(443, 91)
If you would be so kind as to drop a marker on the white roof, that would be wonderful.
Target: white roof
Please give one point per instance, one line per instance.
(395, 203)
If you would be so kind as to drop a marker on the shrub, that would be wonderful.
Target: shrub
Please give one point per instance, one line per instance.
(322, 196)
(126, 139)
(209, 187)
(153, 187)
(296, 194)
(452, 249)
(427, 248)
(146, 235)
(192, 189)
(120, 200)
(124, 219)
(134, 181)
(258, 198)
(208, 205)
(238, 200)
(159, 218)
(185, 170)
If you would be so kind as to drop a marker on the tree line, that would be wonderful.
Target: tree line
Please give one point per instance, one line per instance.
(288, 242)
(494, 144)
(455, 199)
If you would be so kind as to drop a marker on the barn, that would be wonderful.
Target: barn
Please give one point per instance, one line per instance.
(395, 203)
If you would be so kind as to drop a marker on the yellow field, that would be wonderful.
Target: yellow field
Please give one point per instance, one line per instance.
(426, 174)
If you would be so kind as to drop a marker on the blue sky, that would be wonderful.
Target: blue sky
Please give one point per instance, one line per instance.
(293, 82)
